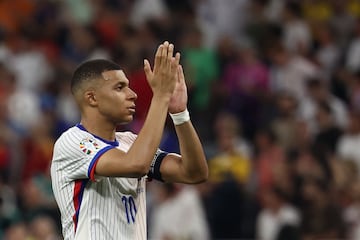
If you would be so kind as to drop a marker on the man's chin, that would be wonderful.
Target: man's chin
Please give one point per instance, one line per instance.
(125, 121)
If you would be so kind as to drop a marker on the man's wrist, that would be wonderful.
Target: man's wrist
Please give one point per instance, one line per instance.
(180, 117)
(163, 98)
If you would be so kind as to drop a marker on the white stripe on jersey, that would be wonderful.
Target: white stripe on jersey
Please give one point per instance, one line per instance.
(105, 208)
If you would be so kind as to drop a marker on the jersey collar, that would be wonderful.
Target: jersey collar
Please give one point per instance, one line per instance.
(114, 143)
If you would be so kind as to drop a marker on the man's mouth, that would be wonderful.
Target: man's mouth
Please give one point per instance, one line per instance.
(132, 109)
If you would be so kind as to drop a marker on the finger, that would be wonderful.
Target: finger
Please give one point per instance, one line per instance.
(170, 52)
(164, 53)
(178, 76)
(175, 62)
(177, 58)
(181, 74)
(173, 65)
(147, 69)
(158, 57)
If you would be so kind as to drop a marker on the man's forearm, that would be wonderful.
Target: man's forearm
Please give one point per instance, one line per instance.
(192, 153)
(148, 140)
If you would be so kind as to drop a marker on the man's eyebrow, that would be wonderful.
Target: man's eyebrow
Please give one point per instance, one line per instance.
(122, 82)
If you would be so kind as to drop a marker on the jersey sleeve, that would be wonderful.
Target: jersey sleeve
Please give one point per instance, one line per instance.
(76, 155)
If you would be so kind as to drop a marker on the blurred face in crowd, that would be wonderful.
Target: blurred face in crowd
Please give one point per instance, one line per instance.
(318, 91)
(16, 232)
(286, 105)
(354, 123)
(279, 56)
(227, 129)
(271, 200)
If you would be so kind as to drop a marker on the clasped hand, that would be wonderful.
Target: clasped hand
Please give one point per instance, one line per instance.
(167, 78)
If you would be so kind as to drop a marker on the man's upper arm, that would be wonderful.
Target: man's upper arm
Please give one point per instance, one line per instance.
(171, 169)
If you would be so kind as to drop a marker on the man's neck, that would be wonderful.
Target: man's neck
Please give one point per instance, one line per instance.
(103, 130)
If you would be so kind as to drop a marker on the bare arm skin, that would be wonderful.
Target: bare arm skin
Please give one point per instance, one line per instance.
(136, 162)
(191, 166)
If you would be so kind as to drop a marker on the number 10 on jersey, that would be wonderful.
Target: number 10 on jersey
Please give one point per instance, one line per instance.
(130, 208)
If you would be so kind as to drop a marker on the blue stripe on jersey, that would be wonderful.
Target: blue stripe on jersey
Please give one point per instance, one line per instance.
(114, 143)
(78, 196)
(96, 157)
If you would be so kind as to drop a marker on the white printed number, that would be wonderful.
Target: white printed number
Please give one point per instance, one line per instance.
(130, 208)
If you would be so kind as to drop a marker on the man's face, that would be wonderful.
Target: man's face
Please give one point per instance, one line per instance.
(116, 101)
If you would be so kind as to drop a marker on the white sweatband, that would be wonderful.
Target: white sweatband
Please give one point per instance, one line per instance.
(181, 117)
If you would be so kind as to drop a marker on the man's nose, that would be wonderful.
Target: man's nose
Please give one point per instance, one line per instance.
(132, 94)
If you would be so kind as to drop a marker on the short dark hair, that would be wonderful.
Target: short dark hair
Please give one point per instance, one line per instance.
(91, 69)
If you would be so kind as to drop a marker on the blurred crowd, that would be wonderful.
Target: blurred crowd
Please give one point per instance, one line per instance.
(274, 92)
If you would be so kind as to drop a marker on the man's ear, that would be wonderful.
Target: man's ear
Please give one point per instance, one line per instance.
(90, 98)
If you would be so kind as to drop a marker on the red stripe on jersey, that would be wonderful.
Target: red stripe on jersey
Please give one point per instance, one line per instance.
(92, 171)
(77, 198)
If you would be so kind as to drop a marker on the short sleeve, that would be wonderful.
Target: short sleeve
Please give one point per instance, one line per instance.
(76, 154)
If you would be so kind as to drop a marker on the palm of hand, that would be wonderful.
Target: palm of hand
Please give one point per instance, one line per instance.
(162, 79)
(168, 77)
(179, 98)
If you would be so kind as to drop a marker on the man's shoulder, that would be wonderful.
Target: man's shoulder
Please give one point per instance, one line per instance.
(71, 133)
(66, 143)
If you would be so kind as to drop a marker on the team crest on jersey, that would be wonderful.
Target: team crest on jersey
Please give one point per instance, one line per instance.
(88, 145)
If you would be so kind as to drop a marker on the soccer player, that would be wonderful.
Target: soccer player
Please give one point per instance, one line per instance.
(98, 174)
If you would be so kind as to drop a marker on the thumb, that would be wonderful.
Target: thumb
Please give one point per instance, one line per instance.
(181, 74)
(147, 69)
